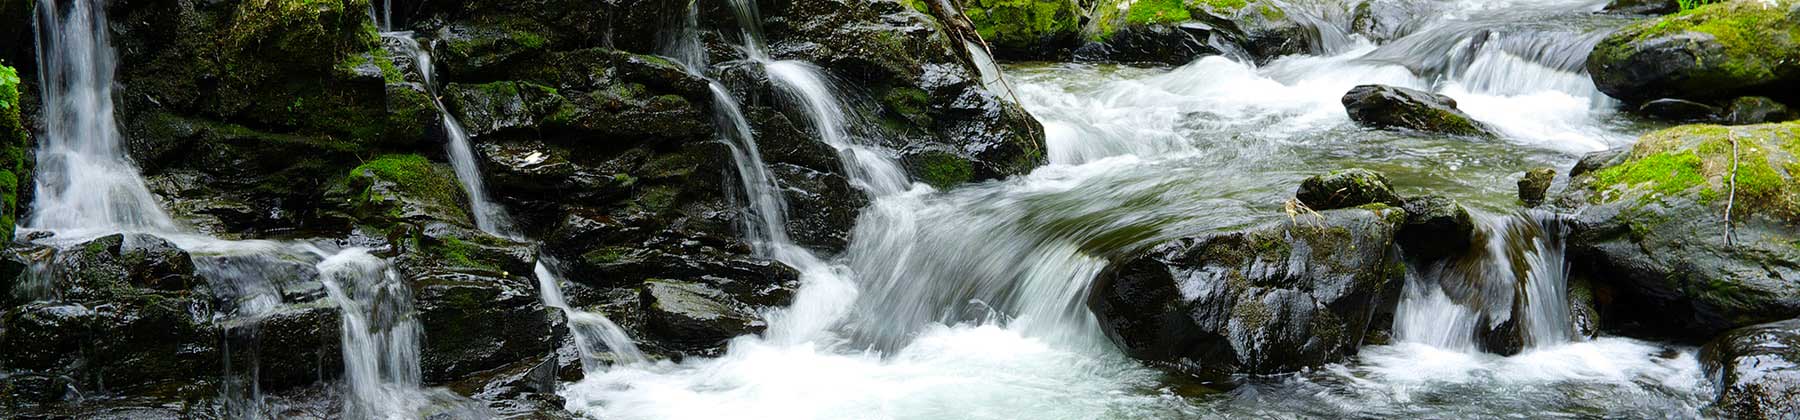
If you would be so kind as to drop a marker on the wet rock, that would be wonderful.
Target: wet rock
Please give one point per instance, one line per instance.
(1757, 110)
(1175, 32)
(291, 347)
(694, 316)
(127, 343)
(1756, 370)
(1643, 7)
(1651, 226)
(1171, 44)
(522, 390)
(1583, 308)
(1346, 188)
(1715, 51)
(1436, 227)
(499, 107)
(1389, 107)
(475, 323)
(403, 188)
(1278, 298)
(1679, 110)
(1536, 185)
(1383, 21)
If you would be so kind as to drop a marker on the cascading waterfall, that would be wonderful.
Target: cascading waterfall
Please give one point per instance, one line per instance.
(1517, 271)
(380, 335)
(491, 218)
(85, 183)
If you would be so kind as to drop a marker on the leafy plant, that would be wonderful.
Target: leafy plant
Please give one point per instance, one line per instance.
(1687, 5)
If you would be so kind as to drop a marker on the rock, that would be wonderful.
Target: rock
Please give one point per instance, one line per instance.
(1024, 28)
(1757, 110)
(1756, 370)
(1715, 51)
(1389, 107)
(1272, 299)
(292, 347)
(1346, 188)
(1436, 227)
(1650, 226)
(694, 316)
(474, 323)
(1536, 185)
(1643, 7)
(499, 107)
(1679, 110)
(403, 188)
(1384, 21)
(1176, 32)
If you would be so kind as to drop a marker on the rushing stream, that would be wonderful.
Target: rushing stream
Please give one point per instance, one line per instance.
(968, 303)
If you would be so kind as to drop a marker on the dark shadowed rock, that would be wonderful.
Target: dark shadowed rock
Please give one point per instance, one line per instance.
(1756, 370)
(1757, 110)
(1390, 107)
(1346, 188)
(1535, 185)
(1679, 110)
(1436, 227)
(1278, 298)
(695, 316)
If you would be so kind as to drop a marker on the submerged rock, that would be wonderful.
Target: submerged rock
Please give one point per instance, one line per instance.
(1715, 51)
(1346, 188)
(1756, 370)
(1651, 226)
(1277, 298)
(1390, 107)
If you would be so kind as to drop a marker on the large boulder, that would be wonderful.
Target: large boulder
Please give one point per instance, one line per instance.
(1651, 226)
(696, 317)
(1176, 32)
(1715, 51)
(1391, 107)
(1756, 370)
(1436, 227)
(1346, 188)
(1286, 296)
(1025, 28)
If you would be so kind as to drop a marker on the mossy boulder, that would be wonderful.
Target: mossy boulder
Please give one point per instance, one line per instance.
(1535, 185)
(695, 317)
(14, 145)
(403, 188)
(1346, 188)
(1025, 28)
(1179, 31)
(1652, 225)
(1715, 51)
(1278, 298)
(1391, 107)
(1756, 370)
(473, 323)
(1757, 110)
(1436, 227)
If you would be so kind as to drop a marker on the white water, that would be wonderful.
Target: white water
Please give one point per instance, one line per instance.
(381, 336)
(86, 186)
(967, 303)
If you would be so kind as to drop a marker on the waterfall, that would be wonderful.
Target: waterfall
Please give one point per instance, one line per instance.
(870, 170)
(1516, 270)
(85, 183)
(491, 218)
(380, 335)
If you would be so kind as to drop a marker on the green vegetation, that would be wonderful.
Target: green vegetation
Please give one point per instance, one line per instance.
(1686, 158)
(1023, 24)
(1761, 43)
(13, 143)
(943, 170)
(1687, 5)
(1145, 12)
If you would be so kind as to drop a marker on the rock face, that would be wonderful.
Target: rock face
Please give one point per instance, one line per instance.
(1756, 370)
(1024, 28)
(1716, 51)
(1651, 229)
(1278, 298)
(1346, 188)
(1389, 107)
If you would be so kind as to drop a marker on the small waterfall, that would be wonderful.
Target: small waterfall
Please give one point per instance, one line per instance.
(870, 170)
(492, 218)
(1516, 270)
(380, 335)
(85, 181)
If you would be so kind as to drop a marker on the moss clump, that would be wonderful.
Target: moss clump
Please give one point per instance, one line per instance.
(400, 187)
(12, 151)
(1146, 12)
(1761, 44)
(1023, 24)
(943, 170)
(1699, 158)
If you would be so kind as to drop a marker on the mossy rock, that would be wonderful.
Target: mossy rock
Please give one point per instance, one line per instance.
(1179, 31)
(1652, 222)
(1347, 188)
(1393, 107)
(391, 189)
(1024, 28)
(1715, 51)
(14, 143)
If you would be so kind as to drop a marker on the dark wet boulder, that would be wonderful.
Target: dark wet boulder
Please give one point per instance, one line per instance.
(1436, 227)
(1390, 107)
(1535, 185)
(695, 317)
(1279, 298)
(1757, 110)
(393, 189)
(1383, 21)
(1715, 51)
(290, 347)
(1643, 7)
(473, 323)
(1651, 226)
(1756, 370)
(1346, 188)
(1176, 32)
(1680, 110)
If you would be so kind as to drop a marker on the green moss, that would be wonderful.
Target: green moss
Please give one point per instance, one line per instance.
(1665, 173)
(13, 140)
(1146, 12)
(943, 170)
(528, 39)
(1223, 5)
(1759, 40)
(1021, 24)
(1701, 158)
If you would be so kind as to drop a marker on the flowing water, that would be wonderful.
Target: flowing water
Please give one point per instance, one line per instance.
(969, 303)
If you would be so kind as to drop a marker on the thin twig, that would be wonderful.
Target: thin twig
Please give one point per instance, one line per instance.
(1731, 198)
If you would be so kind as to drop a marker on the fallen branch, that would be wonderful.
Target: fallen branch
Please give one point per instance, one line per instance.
(1731, 197)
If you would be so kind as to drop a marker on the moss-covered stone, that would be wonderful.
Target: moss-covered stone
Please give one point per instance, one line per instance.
(1393, 107)
(13, 145)
(396, 188)
(942, 170)
(1710, 52)
(1024, 27)
(1699, 159)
